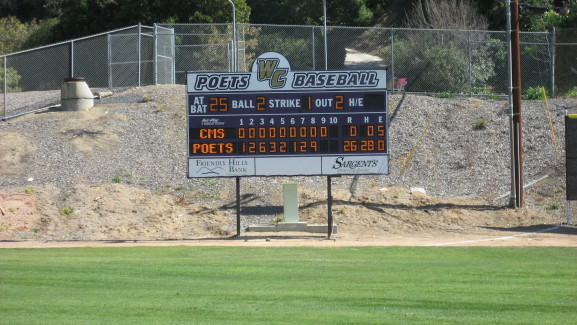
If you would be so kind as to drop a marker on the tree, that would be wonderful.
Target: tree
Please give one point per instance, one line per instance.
(443, 58)
(310, 12)
(558, 13)
(14, 33)
(85, 17)
(446, 14)
(25, 10)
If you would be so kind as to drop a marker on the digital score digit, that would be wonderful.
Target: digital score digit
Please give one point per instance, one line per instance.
(218, 104)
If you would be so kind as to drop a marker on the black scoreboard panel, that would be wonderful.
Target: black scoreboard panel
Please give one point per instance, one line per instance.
(287, 124)
(571, 155)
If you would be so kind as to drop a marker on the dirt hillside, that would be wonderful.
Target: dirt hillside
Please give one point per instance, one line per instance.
(118, 172)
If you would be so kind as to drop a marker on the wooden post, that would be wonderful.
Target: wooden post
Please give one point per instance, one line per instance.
(517, 118)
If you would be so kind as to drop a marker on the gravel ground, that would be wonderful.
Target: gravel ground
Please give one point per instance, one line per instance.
(452, 159)
(138, 137)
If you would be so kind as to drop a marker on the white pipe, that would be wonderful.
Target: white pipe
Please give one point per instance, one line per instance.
(325, 27)
(234, 40)
(5, 87)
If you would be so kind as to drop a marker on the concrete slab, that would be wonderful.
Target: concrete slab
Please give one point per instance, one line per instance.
(292, 226)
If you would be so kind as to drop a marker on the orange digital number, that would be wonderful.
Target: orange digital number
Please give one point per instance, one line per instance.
(367, 145)
(302, 146)
(218, 104)
(282, 146)
(350, 145)
(313, 131)
(353, 130)
(339, 101)
(314, 146)
(262, 147)
(370, 130)
(260, 103)
(252, 147)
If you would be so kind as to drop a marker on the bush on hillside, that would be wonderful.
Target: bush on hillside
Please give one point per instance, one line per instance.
(12, 80)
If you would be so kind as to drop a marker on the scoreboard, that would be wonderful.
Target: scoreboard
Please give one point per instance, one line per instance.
(276, 122)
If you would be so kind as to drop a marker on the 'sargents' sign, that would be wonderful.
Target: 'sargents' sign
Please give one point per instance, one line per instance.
(276, 122)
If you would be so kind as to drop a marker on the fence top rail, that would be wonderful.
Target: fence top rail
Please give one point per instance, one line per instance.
(258, 25)
(196, 24)
(348, 27)
(71, 41)
(341, 27)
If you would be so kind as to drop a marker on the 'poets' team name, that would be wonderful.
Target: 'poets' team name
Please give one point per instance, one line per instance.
(222, 81)
(332, 79)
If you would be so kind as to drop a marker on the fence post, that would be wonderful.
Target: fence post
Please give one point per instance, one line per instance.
(552, 53)
(470, 62)
(109, 37)
(173, 52)
(155, 53)
(71, 59)
(326, 35)
(139, 46)
(392, 77)
(314, 56)
(5, 86)
(229, 45)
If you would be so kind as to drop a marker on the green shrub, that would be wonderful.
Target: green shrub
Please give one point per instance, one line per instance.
(480, 125)
(534, 93)
(553, 206)
(436, 67)
(12, 79)
(297, 50)
(572, 92)
(66, 211)
(446, 94)
(444, 69)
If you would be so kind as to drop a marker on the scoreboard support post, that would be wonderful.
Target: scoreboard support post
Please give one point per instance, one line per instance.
(330, 207)
(238, 206)
(571, 162)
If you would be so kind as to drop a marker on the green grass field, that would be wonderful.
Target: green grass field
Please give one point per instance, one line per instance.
(240, 285)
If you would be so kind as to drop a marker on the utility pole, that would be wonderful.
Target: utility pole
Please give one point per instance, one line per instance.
(516, 94)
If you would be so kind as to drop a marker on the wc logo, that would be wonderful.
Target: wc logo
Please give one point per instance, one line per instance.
(268, 69)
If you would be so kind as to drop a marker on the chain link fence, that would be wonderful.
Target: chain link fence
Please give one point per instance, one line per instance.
(133, 56)
(432, 61)
(566, 61)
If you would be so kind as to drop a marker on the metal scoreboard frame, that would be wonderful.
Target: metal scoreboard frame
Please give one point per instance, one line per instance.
(276, 122)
